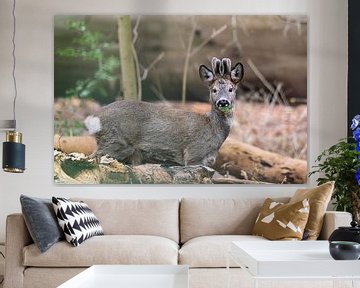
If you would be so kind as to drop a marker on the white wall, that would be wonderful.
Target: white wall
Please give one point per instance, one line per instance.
(327, 88)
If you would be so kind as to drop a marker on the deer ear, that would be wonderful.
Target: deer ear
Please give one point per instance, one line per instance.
(237, 73)
(206, 74)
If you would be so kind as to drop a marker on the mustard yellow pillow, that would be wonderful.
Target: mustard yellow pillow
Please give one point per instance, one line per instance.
(319, 198)
(279, 221)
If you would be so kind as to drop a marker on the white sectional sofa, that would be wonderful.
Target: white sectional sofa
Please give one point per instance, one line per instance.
(190, 231)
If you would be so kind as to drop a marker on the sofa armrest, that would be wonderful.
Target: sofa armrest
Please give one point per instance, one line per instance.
(333, 220)
(17, 237)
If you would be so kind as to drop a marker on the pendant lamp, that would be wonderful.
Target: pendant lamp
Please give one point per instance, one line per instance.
(13, 160)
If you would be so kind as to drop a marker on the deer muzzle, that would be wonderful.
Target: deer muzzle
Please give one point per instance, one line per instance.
(224, 105)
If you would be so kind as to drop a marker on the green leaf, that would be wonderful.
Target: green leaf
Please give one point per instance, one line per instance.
(339, 163)
(91, 47)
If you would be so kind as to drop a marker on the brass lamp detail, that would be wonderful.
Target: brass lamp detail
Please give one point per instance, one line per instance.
(13, 136)
(13, 153)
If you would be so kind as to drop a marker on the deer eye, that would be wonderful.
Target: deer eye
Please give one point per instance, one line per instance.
(230, 89)
(214, 90)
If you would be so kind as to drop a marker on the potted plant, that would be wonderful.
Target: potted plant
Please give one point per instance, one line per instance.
(341, 163)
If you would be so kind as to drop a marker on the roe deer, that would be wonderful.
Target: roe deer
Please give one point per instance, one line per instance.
(140, 132)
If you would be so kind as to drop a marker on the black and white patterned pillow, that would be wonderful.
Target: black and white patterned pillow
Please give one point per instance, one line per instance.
(77, 220)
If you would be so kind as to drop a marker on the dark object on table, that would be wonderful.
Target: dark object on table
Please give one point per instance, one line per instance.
(344, 250)
(345, 233)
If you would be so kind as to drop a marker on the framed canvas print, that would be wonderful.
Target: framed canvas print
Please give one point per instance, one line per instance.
(210, 99)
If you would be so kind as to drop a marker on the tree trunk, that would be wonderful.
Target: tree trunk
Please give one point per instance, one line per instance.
(127, 64)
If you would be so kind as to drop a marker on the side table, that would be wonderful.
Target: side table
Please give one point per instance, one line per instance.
(287, 263)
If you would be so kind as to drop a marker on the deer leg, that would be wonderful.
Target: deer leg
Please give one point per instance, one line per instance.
(136, 157)
(209, 160)
(119, 152)
(114, 147)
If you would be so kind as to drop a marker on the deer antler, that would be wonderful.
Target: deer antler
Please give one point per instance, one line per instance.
(226, 63)
(216, 66)
(221, 67)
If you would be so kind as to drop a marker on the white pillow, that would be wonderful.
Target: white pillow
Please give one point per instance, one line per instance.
(76, 220)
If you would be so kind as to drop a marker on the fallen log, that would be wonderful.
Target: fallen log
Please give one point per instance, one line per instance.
(248, 162)
(77, 168)
(235, 181)
(80, 144)
(243, 161)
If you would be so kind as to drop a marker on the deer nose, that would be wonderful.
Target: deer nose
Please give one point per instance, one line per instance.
(223, 103)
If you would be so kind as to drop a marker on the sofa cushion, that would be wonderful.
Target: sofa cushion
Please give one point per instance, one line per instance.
(107, 249)
(158, 217)
(279, 221)
(211, 251)
(319, 198)
(77, 220)
(201, 217)
(35, 277)
(41, 221)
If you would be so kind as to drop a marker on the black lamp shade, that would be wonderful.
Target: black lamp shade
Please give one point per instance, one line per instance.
(13, 157)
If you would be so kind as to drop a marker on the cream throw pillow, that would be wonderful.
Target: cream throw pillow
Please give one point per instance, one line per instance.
(279, 221)
(319, 198)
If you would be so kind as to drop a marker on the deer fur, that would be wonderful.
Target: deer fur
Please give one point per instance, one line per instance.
(141, 132)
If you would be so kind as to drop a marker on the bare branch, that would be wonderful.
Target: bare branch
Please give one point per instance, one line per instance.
(260, 76)
(160, 95)
(283, 97)
(135, 30)
(235, 40)
(298, 26)
(181, 38)
(286, 27)
(136, 59)
(142, 77)
(234, 34)
(187, 59)
(152, 64)
(212, 36)
(157, 85)
(243, 25)
(191, 52)
(278, 93)
(296, 21)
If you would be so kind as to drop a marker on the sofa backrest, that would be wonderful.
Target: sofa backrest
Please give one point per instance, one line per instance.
(200, 217)
(159, 217)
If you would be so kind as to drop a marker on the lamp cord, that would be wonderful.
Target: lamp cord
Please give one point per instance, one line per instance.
(14, 60)
(2, 280)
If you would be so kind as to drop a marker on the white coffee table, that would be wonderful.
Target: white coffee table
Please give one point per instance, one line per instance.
(296, 260)
(131, 276)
